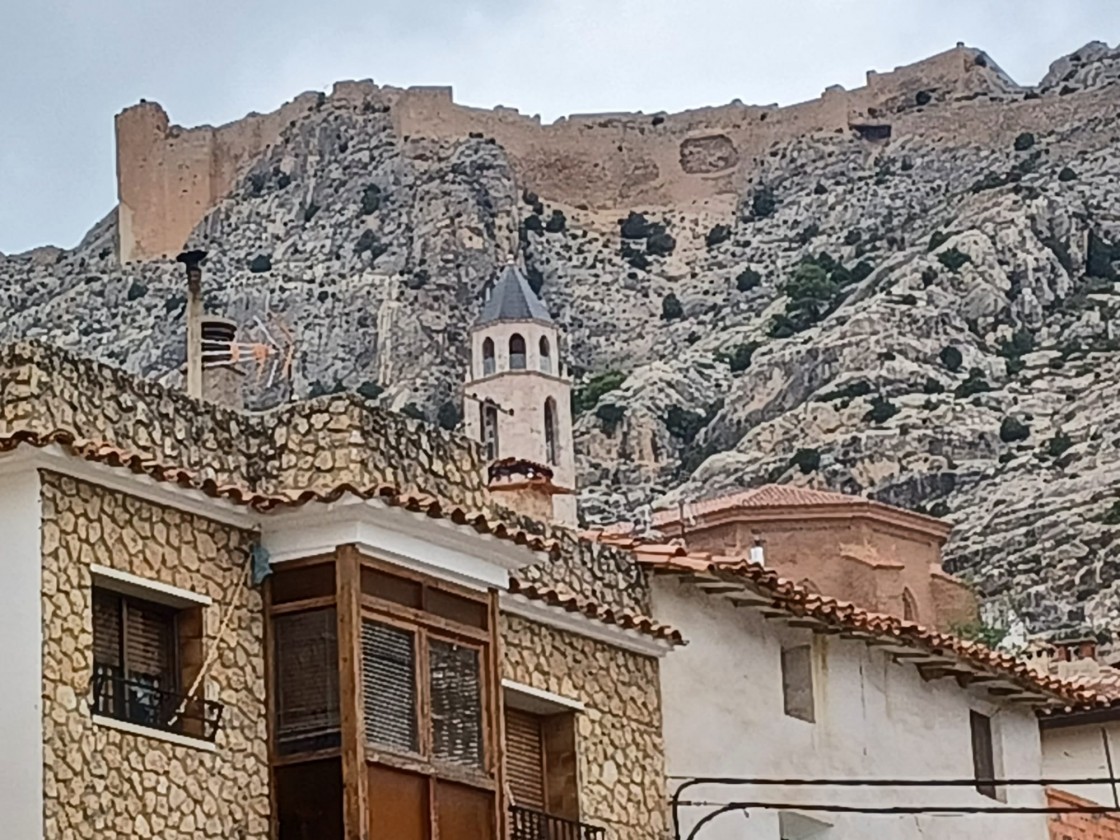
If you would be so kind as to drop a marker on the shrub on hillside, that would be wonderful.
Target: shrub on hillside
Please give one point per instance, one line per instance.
(953, 259)
(671, 308)
(1012, 430)
(763, 203)
(717, 235)
(557, 222)
(371, 199)
(806, 460)
(260, 263)
(610, 415)
(586, 396)
(448, 416)
(739, 358)
(1024, 141)
(881, 411)
(747, 279)
(660, 243)
(634, 226)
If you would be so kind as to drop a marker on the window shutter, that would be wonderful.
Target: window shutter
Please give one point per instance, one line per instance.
(106, 628)
(525, 759)
(983, 756)
(389, 686)
(456, 685)
(149, 638)
(307, 716)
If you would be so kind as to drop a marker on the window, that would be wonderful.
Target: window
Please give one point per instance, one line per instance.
(541, 763)
(488, 366)
(389, 686)
(551, 449)
(306, 678)
(145, 654)
(909, 606)
(983, 753)
(516, 352)
(546, 355)
(456, 686)
(797, 682)
(489, 430)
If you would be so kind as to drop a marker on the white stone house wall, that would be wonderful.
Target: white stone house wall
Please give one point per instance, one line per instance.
(724, 717)
(1078, 752)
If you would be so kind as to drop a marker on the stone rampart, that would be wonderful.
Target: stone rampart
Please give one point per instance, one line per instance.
(170, 177)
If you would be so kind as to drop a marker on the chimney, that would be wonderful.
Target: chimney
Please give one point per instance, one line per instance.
(757, 554)
(192, 261)
(211, 361)
(221, 379)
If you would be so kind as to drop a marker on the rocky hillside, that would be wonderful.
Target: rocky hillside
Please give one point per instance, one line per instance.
(928, 318)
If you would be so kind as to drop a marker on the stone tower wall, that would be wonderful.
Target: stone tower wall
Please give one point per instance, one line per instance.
(170, 177)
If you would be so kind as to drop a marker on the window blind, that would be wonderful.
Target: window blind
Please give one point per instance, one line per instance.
(106, 629)
(456, 686)
(389, 686)
(306, 654)
(149, 634)
(525, 759)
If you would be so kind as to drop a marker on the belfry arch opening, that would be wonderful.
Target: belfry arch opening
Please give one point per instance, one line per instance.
(516, 352)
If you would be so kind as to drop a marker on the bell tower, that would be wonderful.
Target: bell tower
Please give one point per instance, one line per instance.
(518, 397)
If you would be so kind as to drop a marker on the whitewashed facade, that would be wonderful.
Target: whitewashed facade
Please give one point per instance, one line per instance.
(874, 718)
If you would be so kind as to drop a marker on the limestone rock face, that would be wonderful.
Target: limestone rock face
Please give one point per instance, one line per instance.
(951, 349)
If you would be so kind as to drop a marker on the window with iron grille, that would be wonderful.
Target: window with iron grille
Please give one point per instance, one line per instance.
(145, 655)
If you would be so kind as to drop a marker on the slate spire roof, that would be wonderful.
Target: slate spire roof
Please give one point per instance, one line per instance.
(512, 299)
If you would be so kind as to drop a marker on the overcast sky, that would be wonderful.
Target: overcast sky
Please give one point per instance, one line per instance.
(67, 66)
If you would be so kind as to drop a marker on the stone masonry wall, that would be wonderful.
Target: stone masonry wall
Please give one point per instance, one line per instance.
(621, 754)
(169, 177)
(101, 782)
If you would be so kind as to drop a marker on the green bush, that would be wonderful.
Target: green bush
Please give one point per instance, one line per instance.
(671, 308)
(370, 390)
(1058, 444)
(923, 97)
(1100, 256)
(953, 259)
(533, 223)
(763, 203)
(809, 233)
(634, 226)
(881, 411)
(1021, 343)
(260, 263)
(448, 416)
(853, 236)
(1067, 174)
(610, 415)
(1112, 515)
(810, 291)
(951, 358)
(1024, 141)
(739, 358)
(586, 396)
(861, 271)
(414, 411)
(977, 631)
(684, 424)
(806, 460)
(660, 243)
(747, 279)
(976, 383)
(932, 386)
(368, 241)
(137, 290)
(1011, 430)
(782, 326)
(557, 222)
(371, 199)
(717, 235)
(937, 239)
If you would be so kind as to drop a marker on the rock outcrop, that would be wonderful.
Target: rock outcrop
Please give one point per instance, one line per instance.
(918, 306)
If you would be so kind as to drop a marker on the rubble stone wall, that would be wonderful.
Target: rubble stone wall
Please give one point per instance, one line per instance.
(618, 738)
(104, 782)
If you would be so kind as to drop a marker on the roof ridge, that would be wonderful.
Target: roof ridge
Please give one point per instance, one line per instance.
(511, 298)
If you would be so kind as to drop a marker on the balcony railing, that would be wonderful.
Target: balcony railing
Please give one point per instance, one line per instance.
(526, 824)
(139, 702)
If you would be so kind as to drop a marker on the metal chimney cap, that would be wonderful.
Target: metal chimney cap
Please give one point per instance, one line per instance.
(191, 258)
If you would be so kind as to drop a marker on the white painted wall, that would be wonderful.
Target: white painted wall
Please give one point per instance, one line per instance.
(1078, 752)
(21, 626)
(723, 711)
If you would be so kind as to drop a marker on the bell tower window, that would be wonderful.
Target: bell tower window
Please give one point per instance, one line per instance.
(546, 355)
(550, 445)
(516, 352)
(488, 366)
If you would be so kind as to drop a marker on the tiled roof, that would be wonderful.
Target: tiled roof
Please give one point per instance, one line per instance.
(104, 453)
(943, 653)
(1106, 681)
(512, 299)
(626, 619)
(779, 496)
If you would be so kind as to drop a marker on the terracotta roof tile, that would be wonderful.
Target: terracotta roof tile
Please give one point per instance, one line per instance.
(797, 601)
(101, 452)
(775, 496)
(626, 619)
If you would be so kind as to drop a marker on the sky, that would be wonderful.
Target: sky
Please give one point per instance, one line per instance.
(68, 66)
